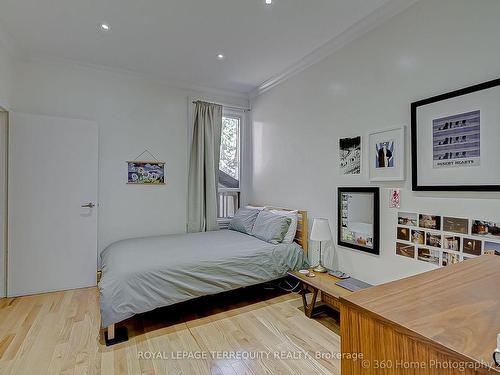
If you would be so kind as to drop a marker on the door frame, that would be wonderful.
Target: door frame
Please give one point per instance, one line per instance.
(4, 251)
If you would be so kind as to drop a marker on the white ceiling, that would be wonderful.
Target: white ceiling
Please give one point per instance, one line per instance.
(178, 40)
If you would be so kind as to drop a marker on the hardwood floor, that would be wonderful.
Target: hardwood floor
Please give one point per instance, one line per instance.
(251, 331)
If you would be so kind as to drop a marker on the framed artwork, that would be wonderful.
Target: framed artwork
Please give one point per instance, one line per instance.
(358, 218)
(455, 139)
(387, 155)
(146, 173)
(350, 155)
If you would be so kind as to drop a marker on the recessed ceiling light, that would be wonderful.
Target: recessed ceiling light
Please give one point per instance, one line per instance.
(105, 26)
(220, 56)
(269, 2)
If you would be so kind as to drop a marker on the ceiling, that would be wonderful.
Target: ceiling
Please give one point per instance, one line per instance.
(179, 40)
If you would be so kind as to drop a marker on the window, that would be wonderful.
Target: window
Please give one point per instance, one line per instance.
(229, 166)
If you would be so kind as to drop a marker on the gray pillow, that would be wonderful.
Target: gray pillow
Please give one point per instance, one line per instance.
(270, 227)
(243, 220)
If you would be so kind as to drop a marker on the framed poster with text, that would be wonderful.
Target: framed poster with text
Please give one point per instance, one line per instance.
(455, 139)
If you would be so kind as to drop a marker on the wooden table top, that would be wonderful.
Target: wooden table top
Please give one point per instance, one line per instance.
(323, 282)
(455, 307)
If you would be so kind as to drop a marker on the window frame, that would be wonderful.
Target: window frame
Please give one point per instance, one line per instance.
(240, 115)
(240, 142)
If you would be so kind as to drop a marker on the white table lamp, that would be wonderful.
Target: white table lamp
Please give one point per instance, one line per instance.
(320, 232)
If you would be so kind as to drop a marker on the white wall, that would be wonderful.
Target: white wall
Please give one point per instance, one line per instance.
(133, 113)
(431, 48)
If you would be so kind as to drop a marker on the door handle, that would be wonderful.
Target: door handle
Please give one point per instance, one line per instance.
(88, 205)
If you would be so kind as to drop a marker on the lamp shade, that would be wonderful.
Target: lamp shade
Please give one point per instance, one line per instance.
(321, 230)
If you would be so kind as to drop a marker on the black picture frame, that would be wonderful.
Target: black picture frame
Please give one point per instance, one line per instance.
(376, 218)
(414, 140)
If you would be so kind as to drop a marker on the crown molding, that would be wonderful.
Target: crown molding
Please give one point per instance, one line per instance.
(374, 19)
(180, 85)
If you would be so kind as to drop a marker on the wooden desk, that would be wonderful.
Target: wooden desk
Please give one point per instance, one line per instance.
(449, 315)
(324, 283)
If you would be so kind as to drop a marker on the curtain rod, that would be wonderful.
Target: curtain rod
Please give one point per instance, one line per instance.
(228, 106)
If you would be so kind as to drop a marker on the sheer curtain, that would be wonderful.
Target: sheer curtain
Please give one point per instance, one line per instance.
(204, 167)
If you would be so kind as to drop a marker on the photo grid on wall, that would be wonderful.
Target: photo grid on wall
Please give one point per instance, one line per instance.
(445, 240)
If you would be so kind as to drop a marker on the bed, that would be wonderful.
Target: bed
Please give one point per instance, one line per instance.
(142, 274)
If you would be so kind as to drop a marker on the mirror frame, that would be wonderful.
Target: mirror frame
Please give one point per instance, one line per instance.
(375, 191)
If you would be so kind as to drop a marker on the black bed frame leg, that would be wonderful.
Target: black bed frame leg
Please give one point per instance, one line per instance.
(114, 336)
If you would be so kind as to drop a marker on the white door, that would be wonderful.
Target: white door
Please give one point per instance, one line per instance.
(52, 237)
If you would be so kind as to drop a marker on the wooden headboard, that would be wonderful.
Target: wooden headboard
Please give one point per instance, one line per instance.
(301, 236)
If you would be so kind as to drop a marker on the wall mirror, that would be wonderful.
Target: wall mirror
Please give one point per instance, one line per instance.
(358, 218)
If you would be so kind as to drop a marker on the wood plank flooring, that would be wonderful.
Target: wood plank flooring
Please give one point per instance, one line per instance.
(259, 333)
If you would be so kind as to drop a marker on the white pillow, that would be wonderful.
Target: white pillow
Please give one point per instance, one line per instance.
(294, 215)
(255, 207)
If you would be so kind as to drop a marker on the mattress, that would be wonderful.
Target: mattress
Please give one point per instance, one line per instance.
(143, 274)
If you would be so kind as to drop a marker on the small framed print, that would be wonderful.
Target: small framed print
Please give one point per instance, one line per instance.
(387, 155)
(454, 138)
(350, 156)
